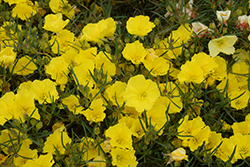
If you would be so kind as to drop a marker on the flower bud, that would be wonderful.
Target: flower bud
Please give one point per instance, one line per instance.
(156, 21)
(177, 155)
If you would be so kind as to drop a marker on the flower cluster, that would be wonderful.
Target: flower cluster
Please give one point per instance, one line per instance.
(82, 86)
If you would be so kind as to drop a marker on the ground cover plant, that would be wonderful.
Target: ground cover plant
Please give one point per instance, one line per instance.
(124, 83)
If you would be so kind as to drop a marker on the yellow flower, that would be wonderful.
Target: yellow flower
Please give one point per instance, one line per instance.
(82, 74)
(7, 56)
(6, 136)
(123, 158)
(62, 6)
(239, 100)
(157, 116)
(62, 41)
(115, 93)
(193, 132)
(95, 112)
(103, 63)
(25, 105)
(230, 84)
(243, 145)
(159, 66)
(121, 136)
(7, 36)
(24, 153)
(25, 66)
(45, 91)
(139, 25)
(225, 150)
(213, 141)
(151, 55)
(24, 85)
(241, 55)
(54, 22)
(58, 69)
(199, 137)
(95, 32)
(14, 1)
(69, 56)
(8, 106)
(182, 34)
(177, 155)
(134, 52)
(56, 142)
(72, 102)
(221, 71)
(43, 161)
(241, 71)
(111, 26)
(168, 48)
(223, 44)
(25, 10)
(207, 63)
(98, 161)
(135, 125)
(189, 127)
(141, 93)
(173, 102)
(89, 147)
(241, 127)
(85, 54)
(191, 72)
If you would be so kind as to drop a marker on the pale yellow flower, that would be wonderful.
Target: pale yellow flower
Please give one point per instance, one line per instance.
(223, 44)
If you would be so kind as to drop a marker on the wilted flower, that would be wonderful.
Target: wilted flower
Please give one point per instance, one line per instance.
(182, 10)
(200, 29)
(242, 22)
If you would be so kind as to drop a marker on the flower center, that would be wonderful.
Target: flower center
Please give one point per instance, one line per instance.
(223, 14)
(119, 158)
(220, 43)
(120, 140)
(243, 150)
(142, 95)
